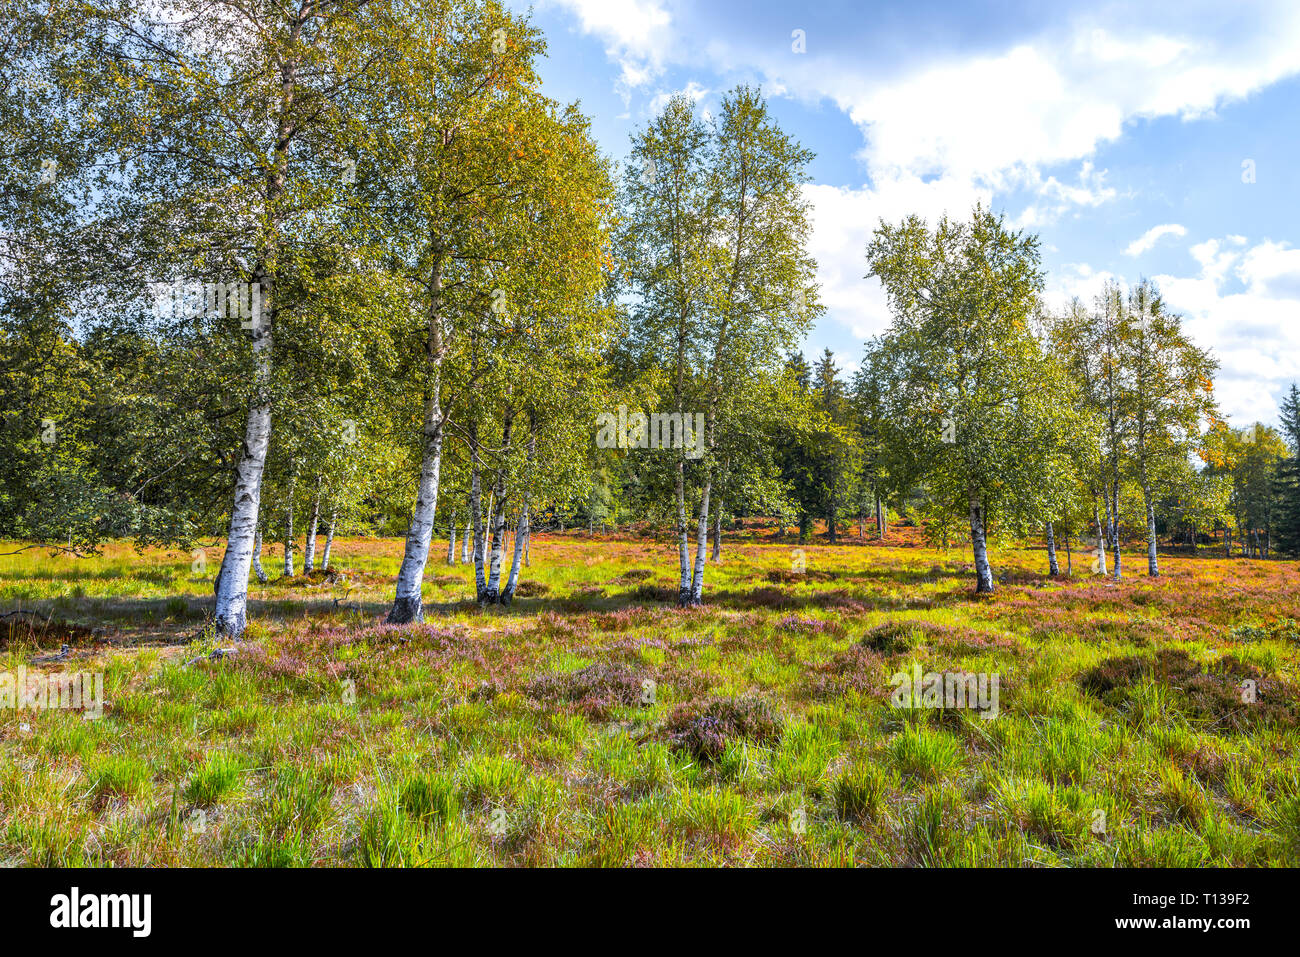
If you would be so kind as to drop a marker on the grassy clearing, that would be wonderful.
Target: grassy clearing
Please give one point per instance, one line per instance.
(593, 723)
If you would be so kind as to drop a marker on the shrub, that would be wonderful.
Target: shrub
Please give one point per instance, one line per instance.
(704, 730)
(858, 792)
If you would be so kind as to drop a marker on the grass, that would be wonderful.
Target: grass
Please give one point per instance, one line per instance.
(1140, 723)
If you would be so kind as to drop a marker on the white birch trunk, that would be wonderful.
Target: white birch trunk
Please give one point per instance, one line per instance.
(1116, 571)
(408, 603)
(329, 541)
(497, 515)
(476, 509)
(521, 538)
(309, 547)
(487, 525)
(683, 544)
(1153, 563)
(1101, 539)
(288, 534)
(496, 554)
(983, 573)
(717, 534)
(701, 547)
(521, 529)
(230, 615)
(258, 570)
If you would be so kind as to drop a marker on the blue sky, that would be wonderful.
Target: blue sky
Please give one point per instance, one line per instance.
(1124, 137)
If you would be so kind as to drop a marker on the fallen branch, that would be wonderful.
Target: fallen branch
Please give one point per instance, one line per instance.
(47, 659)
(214, 656)
(35, 615)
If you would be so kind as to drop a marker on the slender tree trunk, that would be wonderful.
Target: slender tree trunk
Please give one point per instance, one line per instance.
(498, 518)
(469, 532)
(1153, 563)
(257, 557)
(521, 530)
(487, 526)
(496, 552)
(1053, 568)
(288, 533)
(717, 533)
(521, 538)
(329, 541)
(528, 541)
(309, 546)
(983, 573)
(683, 544)
(1069, 556)
(701, 547)
(476, 508)
(1101, 536)
(1116, 569)
(451, 539)
(408, 602)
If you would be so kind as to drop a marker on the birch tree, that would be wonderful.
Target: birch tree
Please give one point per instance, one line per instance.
(231, 113)
(968, 396)
(1170, 395)
(713, 245)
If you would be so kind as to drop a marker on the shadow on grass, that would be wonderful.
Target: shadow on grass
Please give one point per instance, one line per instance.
(317, 598)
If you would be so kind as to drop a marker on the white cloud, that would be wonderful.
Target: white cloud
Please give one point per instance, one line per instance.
(1000, 119)
(656, 104)
(1053, 100)
(1251, 328)
(1216, 260)
(1272, 269)
(637, 34)
(843, 219)
(987, 118)
(1057, 198)
(1152, 236)
(1076, 281)
(996, 119)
